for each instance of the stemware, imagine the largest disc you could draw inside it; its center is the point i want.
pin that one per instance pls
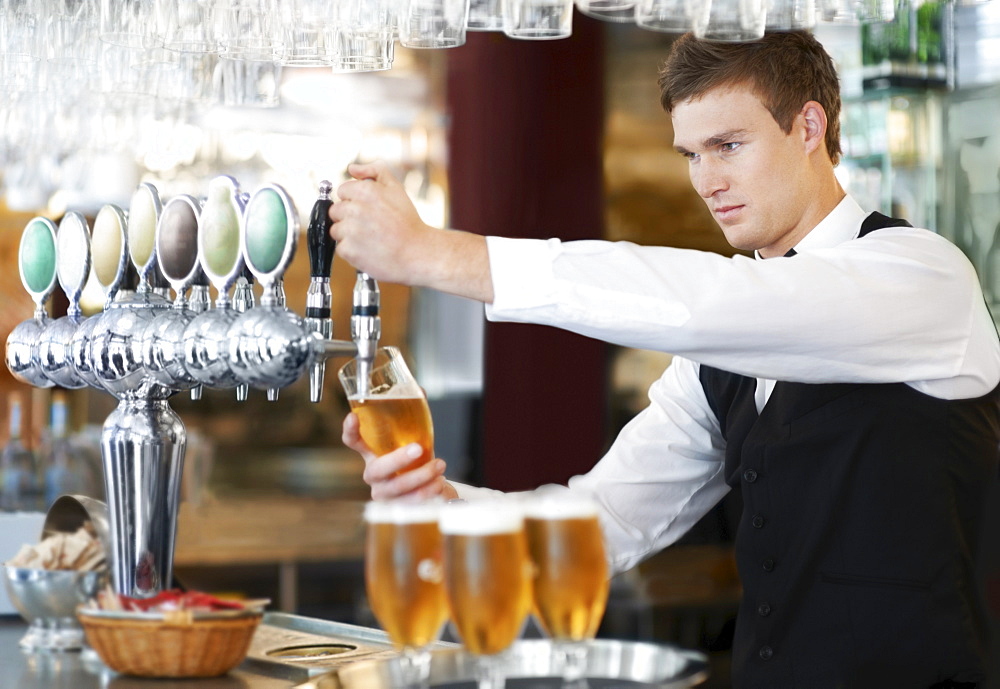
(487, 579)
(394, 411)
(403, 579)
(570, 574)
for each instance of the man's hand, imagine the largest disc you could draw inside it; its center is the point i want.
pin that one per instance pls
(378, 230)
(423, 482)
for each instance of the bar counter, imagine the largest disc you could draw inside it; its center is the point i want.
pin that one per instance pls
(20, 669)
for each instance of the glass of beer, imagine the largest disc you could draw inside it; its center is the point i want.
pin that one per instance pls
(404, 579)
(487, 578)
(570, 574)
(394, 411)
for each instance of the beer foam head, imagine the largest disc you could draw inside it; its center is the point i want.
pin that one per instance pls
(559, 505)
(400, 391)
(402, 511)
(481, 517)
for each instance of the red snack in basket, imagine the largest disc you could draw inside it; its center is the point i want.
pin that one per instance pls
(175, 599)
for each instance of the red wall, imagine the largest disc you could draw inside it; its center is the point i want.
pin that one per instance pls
(525, 146)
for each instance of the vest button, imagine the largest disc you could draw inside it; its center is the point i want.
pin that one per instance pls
(767, 564)
(749, 475)
(757, 521)
(764, 609)
(766, 652)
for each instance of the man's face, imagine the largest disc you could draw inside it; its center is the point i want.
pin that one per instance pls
(753, 177)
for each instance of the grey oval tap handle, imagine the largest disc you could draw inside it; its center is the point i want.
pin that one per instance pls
(73, 258)
(271, 231)
(36, 259)
(177, 243)
(143, 216)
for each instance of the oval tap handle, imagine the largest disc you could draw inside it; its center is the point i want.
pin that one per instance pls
(109, 244)
(143, 216)
(73, 257)
(220, 232)
(36, 260)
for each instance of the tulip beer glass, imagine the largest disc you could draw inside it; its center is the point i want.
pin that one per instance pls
(403, 579)
(394, 413)
(570, 574)
(487, 578)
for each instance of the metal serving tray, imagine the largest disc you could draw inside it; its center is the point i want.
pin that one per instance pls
(296, 648)
(534, 664)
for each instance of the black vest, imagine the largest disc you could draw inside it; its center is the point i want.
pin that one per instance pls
(862, 507)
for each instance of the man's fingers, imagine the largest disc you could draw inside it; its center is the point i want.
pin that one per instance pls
(351, 436)
(424, 481)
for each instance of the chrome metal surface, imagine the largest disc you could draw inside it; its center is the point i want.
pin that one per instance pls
(69, 512)
(143, 348)
(47, 599)
(610, 664)
(142, 447)
(366, 326)
(279, 632)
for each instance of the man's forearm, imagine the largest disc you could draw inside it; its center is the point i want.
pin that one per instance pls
(455, 262)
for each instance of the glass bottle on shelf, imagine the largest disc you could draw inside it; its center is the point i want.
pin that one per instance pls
(19, 489)
(68, 470)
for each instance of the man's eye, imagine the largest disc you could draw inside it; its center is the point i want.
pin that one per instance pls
(730, 146)
(690, 156)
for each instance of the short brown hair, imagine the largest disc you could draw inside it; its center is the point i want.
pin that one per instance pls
(784, 69)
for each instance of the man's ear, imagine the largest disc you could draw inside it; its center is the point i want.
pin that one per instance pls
(814, 125)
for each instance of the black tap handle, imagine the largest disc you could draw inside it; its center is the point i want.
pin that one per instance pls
(321, 244)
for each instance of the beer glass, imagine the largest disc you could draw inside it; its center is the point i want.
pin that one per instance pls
(487, 579)
(395, 411)
(570, 574)
(403, 578)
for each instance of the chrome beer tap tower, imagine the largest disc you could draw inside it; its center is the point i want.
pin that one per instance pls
(143, 348)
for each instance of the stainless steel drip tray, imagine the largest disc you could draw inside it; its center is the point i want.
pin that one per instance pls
(297, 648)
(534, 664)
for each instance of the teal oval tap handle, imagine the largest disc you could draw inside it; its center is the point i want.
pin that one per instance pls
(271, 229)
(36, 259)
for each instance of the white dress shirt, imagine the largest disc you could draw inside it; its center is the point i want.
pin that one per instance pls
(899, 305)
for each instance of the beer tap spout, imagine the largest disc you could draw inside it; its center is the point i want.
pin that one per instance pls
(366, 327)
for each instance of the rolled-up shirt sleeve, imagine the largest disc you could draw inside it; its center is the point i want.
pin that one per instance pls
(899, 305)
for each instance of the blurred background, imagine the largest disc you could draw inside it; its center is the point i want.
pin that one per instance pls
(499, 136)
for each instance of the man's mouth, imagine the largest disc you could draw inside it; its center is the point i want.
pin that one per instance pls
(726, 212)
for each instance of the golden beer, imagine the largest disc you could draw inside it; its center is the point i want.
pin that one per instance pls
(390, 422)
(403, 576)
(487, 577)
(571, 574)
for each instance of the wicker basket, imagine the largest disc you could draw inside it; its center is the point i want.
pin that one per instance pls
(136, 644)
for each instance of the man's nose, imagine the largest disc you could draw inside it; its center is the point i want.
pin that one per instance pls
(708, 178)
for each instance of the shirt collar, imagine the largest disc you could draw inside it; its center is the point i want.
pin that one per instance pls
(841, 224)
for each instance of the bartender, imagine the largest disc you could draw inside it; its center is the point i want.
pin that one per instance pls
(844, 380)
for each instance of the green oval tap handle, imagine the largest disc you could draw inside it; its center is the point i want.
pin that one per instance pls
(219, 232)
(36, 259)
(271, 232)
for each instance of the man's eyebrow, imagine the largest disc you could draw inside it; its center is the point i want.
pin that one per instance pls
(717, 139)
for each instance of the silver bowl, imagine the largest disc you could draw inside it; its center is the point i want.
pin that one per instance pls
(47, 600)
